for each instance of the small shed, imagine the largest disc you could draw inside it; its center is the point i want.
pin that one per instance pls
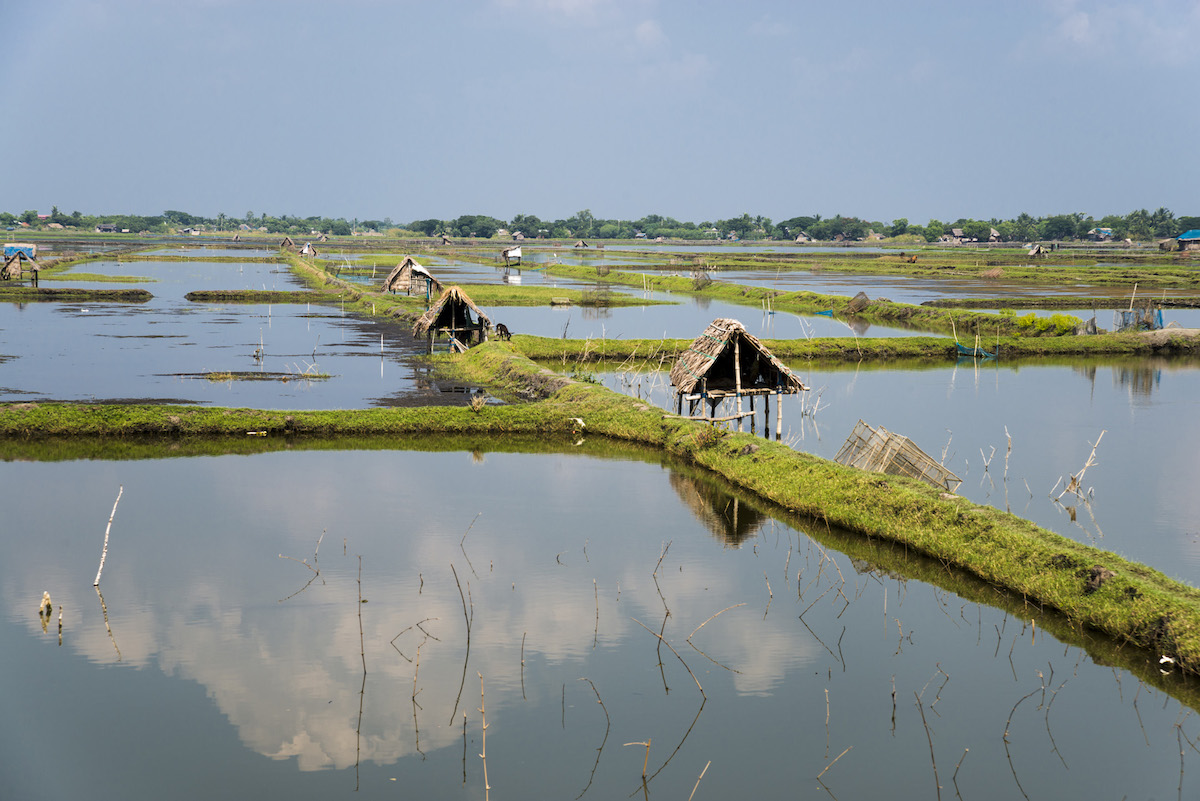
(14, 265)
(308, 249)
(1189, 240)
(30, 250)
(287, 244)
(581, 244)
(451, 315)
(410, 278)
(727, 362)
(511, 255)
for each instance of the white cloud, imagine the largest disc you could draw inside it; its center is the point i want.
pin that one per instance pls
(649, 34)
(1156, 32)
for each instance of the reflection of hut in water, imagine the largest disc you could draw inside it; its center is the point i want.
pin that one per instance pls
(451, 316)
(726, 362)
(410, 278)
(1141, 379)
(731, 520)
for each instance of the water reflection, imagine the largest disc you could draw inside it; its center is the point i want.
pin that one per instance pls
(236, 629)
(722, 513)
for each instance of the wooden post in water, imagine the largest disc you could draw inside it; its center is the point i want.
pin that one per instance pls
(737, 378)
(766, 416)
(778, 414)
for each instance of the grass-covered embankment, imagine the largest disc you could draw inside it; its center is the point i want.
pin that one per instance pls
(1093, 589)
(34, 294)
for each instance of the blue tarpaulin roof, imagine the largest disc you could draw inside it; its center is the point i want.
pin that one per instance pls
(1192, 234)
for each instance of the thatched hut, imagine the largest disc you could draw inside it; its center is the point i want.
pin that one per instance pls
(15, 263)
(511, 255)
(410, 278)
(451, 315)
(727, 362)
(287, 244)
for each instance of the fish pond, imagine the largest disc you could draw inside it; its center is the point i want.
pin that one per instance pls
(308, 623)
(311, 619)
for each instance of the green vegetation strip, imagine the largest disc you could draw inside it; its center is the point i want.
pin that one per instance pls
(879, 351)
(1131, 603)
(27, 294)
(878, 310)
(256, 296)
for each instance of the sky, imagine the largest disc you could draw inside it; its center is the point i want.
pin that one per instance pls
(697, 110)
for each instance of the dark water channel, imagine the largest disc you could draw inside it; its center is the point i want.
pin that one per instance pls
(306, 624)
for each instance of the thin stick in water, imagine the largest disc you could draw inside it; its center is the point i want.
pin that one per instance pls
(104, 553)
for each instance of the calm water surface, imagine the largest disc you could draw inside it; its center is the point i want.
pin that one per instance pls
(217, 642)
(308, 624)
(162, 350)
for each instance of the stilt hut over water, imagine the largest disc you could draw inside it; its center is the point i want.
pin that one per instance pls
(19, 262)
(727, 362)
(410, 278)
(451, 315)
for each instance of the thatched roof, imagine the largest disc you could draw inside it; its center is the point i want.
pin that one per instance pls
(452, 310)
(12, 265)
(287, 243)
(400, 279)
(711, 357)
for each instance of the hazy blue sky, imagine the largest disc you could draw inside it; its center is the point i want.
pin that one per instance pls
(698, 110)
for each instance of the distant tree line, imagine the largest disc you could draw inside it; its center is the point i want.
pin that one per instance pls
(1139, 225)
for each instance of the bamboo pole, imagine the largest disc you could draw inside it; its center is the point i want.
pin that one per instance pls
(778, 415)
(766, 416)
(737, 377)
(104, 553)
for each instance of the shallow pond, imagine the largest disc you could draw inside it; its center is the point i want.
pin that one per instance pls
(306, 624)
(680, 316)
(163, 350)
